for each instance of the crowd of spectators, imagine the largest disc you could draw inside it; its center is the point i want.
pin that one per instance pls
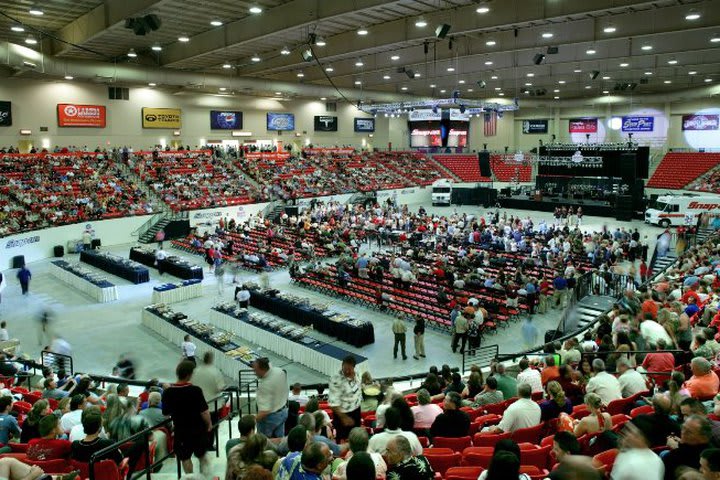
(707, 182)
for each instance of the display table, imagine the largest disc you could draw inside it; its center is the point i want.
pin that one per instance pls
(174, 332)
(177, 292)
(85, 281)
(117, 266)
(305, 350)
(354, 332)
(175, 266)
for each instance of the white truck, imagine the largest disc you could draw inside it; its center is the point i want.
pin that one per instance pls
(442, 191)
(676, 210)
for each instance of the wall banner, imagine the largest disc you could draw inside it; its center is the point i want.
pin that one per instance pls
(161, 117)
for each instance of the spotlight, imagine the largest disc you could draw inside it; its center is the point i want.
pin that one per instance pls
(255, 9)
(491, 43)
(35, 10)
(307, 55)
(156, 48)
(646, 48)
(715, 38)
(691, 15)
(256, 58)
(30, 40)
(421, 22)
(300, 74)
(69, 77)
(547, 35)
(285, 51)
(594, 74)
(183, 38)
(215, 23)
(610, 29)
(17, 28)
(538, 58)
(320, 42)
(131, 53)
(442, 30)
(591, 51)
(362, 31)
(359, 63)
(329, 68)
(227, 66)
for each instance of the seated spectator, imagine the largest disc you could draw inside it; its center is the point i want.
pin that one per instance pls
(425, 412)
(597, 421)
(48, 446)
(710, 464)
(358, 444)
(603, 384)
(8, 424)
(505, 383)
(556, 402)
(404, 463)
(73, 417)
(31, 425)
(253, 452)
(318, 434)
(362, 467)
(246, 426)
(564, 444)
(473, 386)
(572, 388)
(153, 413)
(504, 465)
(696, 436)
(701, 348)
(295, 442)
(456, 385)
(529, 376)
(658, 361)
(663, 425)
(379, 441)
(51, 390)
(296, 395)
(550, 372)
(523, 413)
(704, 383)
(490, 394)
(453, 422)
(83, 450)
(631, 381)
(636, 460)
(693, 406)
(308, 465)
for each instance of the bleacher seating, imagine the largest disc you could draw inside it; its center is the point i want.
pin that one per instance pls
(466, 167)
(707, 182)
(510, 171)
(678, 169)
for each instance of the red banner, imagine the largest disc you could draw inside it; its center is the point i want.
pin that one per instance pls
(327, 151)
(267, 156)
(583, 125)
(72, 115)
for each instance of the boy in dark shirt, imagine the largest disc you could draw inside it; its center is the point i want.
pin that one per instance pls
(82, 450)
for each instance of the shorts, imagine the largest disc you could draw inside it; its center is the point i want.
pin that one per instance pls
(186, 447)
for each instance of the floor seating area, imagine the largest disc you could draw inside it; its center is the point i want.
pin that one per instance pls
(466, 167)
(510, 171)
(47, 189)
(678, 169)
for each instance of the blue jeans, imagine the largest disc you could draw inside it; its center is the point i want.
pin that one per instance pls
(273, 425)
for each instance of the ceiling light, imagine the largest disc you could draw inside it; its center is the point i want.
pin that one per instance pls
(577, 70)
(30, 40)
(320, 42)
(17, 28)
(470, 90)
(222, 89)
(358, 82)
(556, 91)
(417, 75)
(359, 63)
(443, 91)
(692, 72)
(606, 77)
(667, 81)
(215, 23)
(648, 73)
(672, 62)
(691, 15)
(285, 51)
(547, 35)
(152, 84)
(561, 82)
(329, 68)
(501, 94)
(395, 57)
(498, 89)
(386, 77)
(461, 81)
(531, 74)
(708, 80)
(482, 9)
(300, 74)
(646, 48)
(450, 69)
(227, 65)
(256, 58)
(610, 29)
(421, 22)
(491, 43)
(278, 93)
(255, 9)
(715, 38)
(131, 53)
(69, 77)
(432, 85)
(591, 51)
(606, 92)
(624, 64)
(362, 31)
(37, 11)
(488, 62)
(588, 87)
(528, 84)
(494, 77)
(404, 89)
(183, 38)
(156, 48)
(556, 98)
(323, 98)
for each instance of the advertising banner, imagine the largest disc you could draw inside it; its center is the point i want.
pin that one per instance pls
(161, 117)
(267, 156)
(700, 122)
(364, 124)
(223, 120)
(583, 125)
(535, 126)
(457, 115)
(638, 124)
(423, 115)
(326, 123)
(280, 121)
(328, 151)
(5, 114)
(72, 115)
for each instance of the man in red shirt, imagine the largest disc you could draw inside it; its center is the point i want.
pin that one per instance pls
(48, 447)
(544, 291)
(649, 306)
(659, 362)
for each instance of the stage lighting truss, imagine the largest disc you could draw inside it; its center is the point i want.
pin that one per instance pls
(471, 107)
(576, 160)
(612, 147)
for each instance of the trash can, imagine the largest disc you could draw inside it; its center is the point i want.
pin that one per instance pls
(95, 243)
(59, 251)
(18, 261)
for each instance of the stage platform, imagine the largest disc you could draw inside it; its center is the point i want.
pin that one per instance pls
(549, 204)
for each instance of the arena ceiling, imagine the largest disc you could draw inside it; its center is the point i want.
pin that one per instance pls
(639, 46)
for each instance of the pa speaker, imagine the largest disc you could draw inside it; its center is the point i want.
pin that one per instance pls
(627, 170)
(307, 55)
(484, 161)
(442, 30)
(538, 58)
(152, 21)
(410, 73)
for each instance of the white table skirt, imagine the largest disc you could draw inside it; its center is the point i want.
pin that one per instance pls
(102, 295)
(279, 345)
(227, 365)
(178, 294)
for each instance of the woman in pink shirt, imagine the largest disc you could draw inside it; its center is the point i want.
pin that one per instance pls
(425, 412)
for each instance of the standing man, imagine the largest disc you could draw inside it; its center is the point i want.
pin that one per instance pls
(184, 402)
(86, 240)
(344, 397)
(419, 331)
(160, 256)
(188, 349)
(24, 277)
(559, 295)
(400, 331)
(212, 383)
(160, 238)
(462, 323)
(271, 397)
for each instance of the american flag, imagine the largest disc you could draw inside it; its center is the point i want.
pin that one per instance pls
(490, 124)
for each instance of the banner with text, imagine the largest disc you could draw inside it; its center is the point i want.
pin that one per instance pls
(326, 123)
(5, 114)
(700, 122)
(328, 151)
(161, 117)
(280, 121)
(267, 156)
(583, 125)
(72, 115)
(638, 124)
(222, 120)
(364, 125)
(535, 126)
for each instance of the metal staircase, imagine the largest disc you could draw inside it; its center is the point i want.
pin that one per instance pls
(147, 231)
(129, 174)
(273, 211)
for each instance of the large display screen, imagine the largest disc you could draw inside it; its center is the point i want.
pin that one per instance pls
(326, 123)
(280, 121)
(364, 124)
(438, 129)
(225, 120)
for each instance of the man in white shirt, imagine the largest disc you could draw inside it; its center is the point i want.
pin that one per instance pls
(298, 396)
(426, 411)
(631, 381)
(188, 349)
(242, 295)
(379, 441)
(523, 413)
(211, 382)
(652, 331)
(160, 256)
(530, 376)
(636, 461)
(603, 384)
(74, 416)
(4, 335)
(271, 398)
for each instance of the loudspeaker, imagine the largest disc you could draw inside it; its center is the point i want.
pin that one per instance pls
(18, 261)
(627, 168)
(594, 74)
(538, 58)
(642, 162)
(442, 30)
(152, 21)
(484, 161)
(410, 73)
(307, 55)
(59, 251)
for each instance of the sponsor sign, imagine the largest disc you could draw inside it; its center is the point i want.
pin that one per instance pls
(638, 124)
(21, 242)
(267, 156)
(280, 121)
(5, 114)
(535, 126)
(703, 206)
(225, 120)
(326, 123)
(455, 115)
(72, 115)
(328, 151)
(700, 122)
(583, 125)
(364, 124)
(161, 117)
(424, 115)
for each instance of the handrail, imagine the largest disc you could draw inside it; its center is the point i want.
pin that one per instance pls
(51, 359)
(147, 432)
(156, 217)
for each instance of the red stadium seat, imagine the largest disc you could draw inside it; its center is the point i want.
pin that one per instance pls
(644, 410)
(455, 444)
(529, 435)
(489, 439)
(463, 473)
(441, 462)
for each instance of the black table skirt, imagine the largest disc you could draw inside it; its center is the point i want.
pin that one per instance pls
(356, 336)
(179, 271)
(135, 275)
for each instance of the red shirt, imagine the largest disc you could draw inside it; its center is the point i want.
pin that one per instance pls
(48, 449)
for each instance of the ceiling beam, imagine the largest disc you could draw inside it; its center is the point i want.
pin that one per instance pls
(521, 14)
(291, 15)
(96, 21)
